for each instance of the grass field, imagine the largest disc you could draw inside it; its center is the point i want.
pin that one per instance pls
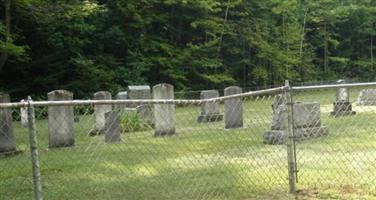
(203, 161)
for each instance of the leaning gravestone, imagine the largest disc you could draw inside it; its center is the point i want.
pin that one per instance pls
(233, 108)
(99, 112)
(306, 123)
(7, 140)
(23, 113)
(164, 114)
(342, 105)
(112, 127)
(141, 92)
(209, 110)
(367, 97)
(60, 120)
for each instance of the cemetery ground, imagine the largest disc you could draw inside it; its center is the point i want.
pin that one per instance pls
(202, 159)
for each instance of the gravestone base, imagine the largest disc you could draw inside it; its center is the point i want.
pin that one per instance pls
(10, 153)
(209, 118)
(234, 127)
(275, 137)
(164, 133)
(342, 109)
(96, 131)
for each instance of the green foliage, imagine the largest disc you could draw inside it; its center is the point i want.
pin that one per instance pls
(131, 122)
(92, 45)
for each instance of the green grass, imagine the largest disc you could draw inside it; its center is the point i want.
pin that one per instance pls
(202, 161)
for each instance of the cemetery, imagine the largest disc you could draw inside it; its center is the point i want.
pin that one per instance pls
(181, 100)
(144, 133)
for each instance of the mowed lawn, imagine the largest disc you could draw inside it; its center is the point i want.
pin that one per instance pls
(203, 161)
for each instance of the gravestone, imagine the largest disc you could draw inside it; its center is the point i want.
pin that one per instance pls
(164, 114)
(121, 96)
(209, 110)
(99, 112)
(138, 92)
(278, 100)
(306, 123)
(233, 108)
(7, 140)
(342, 105)
(23, 114)
(367, 97)
(112, 127)
(60, 120)
(141, 92)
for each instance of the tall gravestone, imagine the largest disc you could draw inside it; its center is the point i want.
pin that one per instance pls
(60, 120)
(342, 105)
(23, 114)
(164, 114)
(7, 139)
(112, 127)
(233, 108)
(121, 96)
(144, 110)
(209, 110)
(99, 112)
(306, 122)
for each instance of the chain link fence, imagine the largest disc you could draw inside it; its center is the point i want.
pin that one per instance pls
(269, 144)
(341, 163)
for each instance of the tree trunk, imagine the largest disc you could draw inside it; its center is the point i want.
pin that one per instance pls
(372, 51)
(4, 55)
(223, 32)
(325, 48)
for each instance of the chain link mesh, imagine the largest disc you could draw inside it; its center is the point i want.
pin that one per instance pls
(199, 160)
(341, 164)
(232, 148)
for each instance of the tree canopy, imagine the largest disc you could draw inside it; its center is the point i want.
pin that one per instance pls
(92, 45)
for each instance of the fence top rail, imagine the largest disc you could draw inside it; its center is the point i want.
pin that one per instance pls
(148, 101)
(332, 86)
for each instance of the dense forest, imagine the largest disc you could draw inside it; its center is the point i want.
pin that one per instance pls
(92, 45)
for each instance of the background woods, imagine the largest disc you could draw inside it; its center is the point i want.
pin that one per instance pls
(86, 46)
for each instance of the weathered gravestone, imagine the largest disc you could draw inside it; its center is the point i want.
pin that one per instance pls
(164, 114)
(23, 114)
(138, 92)
(145, 110)
(306, 122)
(233, 108)
(60, 120)
(99, 112)
(209, 110)
(7, 140)
(367, 97)
(121, 96)
(342, 105)
(112, 127)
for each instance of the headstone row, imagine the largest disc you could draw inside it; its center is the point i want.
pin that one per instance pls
(210, 111)
(107, 120)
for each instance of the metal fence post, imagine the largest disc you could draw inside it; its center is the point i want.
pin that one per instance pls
(34, 151)
(290, 139)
